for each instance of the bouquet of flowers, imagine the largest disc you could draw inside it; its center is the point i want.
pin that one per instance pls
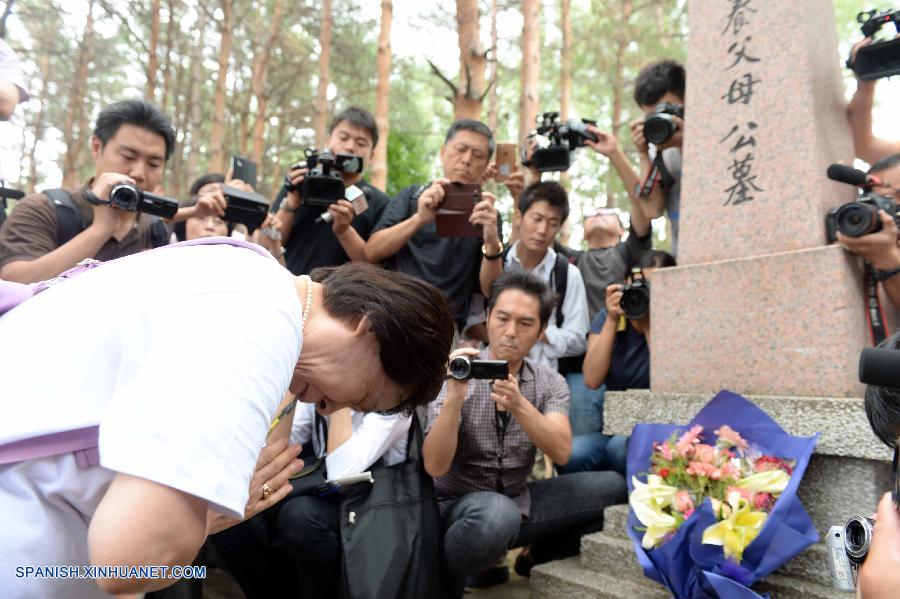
(717, 509)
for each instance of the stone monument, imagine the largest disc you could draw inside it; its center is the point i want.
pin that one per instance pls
(759, 304)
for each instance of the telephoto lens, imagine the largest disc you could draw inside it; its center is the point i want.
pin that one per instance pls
(858, 538)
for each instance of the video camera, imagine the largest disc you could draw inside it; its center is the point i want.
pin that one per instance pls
(464, 368)
(125, 196)
(249, 209)
(882, 57)
(323, 185)
(556, 141)
(660, 126)
(860, 217)
(635, 300)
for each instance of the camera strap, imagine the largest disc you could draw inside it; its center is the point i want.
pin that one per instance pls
(875, 315)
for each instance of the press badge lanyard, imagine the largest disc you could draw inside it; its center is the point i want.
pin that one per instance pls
(501, 423)
(874, 312)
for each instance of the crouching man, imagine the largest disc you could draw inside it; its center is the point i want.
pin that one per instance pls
(480, 447)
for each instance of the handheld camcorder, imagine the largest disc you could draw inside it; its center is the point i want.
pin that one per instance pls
(848, 545)
(860, 217)
(125, 196)
(246, 208)
(556, 141)
(635, 300)
(660, 126)
(882, 57)
(464, 368)
(323, 185)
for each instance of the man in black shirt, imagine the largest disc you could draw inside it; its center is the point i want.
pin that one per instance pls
(310, 243)
(406, 236)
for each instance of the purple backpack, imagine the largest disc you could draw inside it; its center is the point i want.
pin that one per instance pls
(81, 442)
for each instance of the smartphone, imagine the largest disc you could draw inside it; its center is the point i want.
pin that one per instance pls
(243, 169)
(452, 216)
(506, 161)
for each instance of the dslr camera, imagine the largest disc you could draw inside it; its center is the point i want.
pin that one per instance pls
(323, 184)
(660, 126)
(556, 141)
(464, 368)
(125, 196)
(635, 300)
(855, 219)
(882, 58)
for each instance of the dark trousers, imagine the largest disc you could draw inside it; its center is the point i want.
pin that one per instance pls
(480, 527)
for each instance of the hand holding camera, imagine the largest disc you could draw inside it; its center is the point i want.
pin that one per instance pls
(606, 143)
(872, 59)
(556, 140)
(485, 216)
(880, 248)
(429, 200)
(614, 302)
(293, 182)
(665, 127)
(105, 215)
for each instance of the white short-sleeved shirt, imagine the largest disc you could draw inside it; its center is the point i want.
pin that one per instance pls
(180, 355)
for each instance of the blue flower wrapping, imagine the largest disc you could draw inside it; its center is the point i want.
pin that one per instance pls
(683, 564)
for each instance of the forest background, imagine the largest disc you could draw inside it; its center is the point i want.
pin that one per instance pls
(261, 78)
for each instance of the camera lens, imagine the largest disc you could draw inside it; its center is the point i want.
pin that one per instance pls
(124, 197)
(858, 538)
(635, 302)
(857, 219)
(659, 128)
(460, 368)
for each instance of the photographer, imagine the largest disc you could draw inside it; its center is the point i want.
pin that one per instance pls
(45, 236)
(480, 447)
(406, 236)
(124, 449)
(658, 84)
(310, 243)
(866, 146)
(880, 249)
(618, 356)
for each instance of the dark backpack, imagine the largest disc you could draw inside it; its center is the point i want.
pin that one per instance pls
(69, 221)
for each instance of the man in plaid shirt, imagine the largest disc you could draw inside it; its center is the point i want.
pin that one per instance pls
(480, 446)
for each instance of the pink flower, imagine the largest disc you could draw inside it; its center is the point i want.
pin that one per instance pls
(683, 502)
(687, 441)
(731, 470)
(705, 453)
(730, 437)
(767, 462)
(666, 450)
(688, 513)
(702, 469)
(763, 501)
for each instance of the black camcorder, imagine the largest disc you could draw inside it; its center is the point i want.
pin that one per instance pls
(556, 141)
(635, 300)
(323, 185)
(249, 209)
(860, 217)
(464, 368)
(882, 57)
(660, 126)
(125, 196)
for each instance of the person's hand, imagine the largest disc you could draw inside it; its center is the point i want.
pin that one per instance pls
(879, 248)
(866, 41)
(105, 217)
(506, 394)
(531, 145)
(490, 173)
(485, 216)
(458, 390)
(677, 138)
(606, 143)
(277, 462)
(613, 302)
(342, 215)
(637, 135)
(296, 175)
(515, 183)
(879, 576)
(429, 200)
(211, 202)
(268, 235)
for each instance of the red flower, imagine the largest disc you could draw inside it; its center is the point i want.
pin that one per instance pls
(767, 462)
(664, 472)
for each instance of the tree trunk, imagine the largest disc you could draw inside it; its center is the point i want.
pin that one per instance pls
(472, 61)
(320, 120)
(169, 63)
(622, 40)
(565, 94)
(74, 115)
(38, 132)
(179, 177)
(152, 58)
(217, 133)
(494, 97)
(258, 84)
(531, 64)
(379, 170)
(193, 104)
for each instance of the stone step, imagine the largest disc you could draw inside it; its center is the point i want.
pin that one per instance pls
(567, 578)
(809, 565)
(601, 552)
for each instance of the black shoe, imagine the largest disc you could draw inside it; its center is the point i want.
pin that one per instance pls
(524, 564)
(488, 578)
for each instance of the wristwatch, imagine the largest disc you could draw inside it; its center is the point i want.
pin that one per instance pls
(484, 251)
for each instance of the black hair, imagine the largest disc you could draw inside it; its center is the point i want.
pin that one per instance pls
(658, 78)
(656, 259)
(526, 283)
(410, 319)
(885, 163)
(134, 112)
(358, 117)
(473, 126)
(205, 179)
(547, 191)
(883, 403)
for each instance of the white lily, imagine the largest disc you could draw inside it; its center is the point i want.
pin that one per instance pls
(770, 481)
(648, 500)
